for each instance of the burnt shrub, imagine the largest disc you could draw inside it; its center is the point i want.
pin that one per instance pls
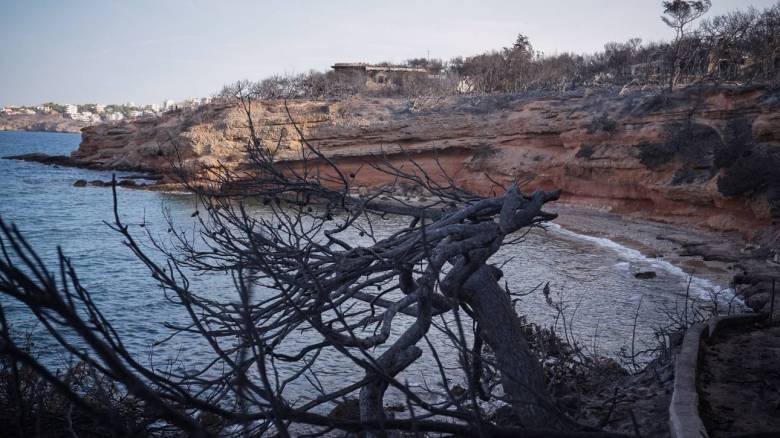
(585, 151)
(693, 143)
(655, 155)
(696, 144)
(753, 172)
(738, 140)
(602, 123)
(686, 175)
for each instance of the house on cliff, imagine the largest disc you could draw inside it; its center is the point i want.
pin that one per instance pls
(377, 76)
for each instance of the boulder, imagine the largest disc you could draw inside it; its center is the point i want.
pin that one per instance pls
(346, 410)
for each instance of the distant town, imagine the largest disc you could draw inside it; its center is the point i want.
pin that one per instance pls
(96, 112)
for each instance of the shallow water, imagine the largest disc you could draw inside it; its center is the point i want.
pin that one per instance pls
(594, 277)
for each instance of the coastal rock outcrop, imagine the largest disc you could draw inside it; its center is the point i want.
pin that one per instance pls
(705, 155)
(39, 122)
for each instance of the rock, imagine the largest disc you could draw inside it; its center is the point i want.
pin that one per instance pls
(458, 390)
(54, 122)
(151, 177)
(645, 275)
(99, 183)
(43, 159)
(346, 410)
(504, 416)
(80, 183)
(606, 365)
(760, 300)
(750, 290)
(397, 407)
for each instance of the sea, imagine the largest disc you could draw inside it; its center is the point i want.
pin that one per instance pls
(601, 306)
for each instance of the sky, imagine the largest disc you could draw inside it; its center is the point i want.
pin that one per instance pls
(147, 51)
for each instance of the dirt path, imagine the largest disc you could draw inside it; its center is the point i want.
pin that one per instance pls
(739, 381)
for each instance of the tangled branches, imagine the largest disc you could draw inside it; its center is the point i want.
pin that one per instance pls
(315, 285)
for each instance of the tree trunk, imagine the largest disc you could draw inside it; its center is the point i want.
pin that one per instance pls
(522, 376)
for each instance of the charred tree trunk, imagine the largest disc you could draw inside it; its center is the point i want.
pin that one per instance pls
(522, 376)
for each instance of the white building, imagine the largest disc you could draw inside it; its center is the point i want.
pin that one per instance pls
(85, 116)
(155, 107)
(168, 104)
(71, 110)
(190, 102)
(99, 108)
(113, 117)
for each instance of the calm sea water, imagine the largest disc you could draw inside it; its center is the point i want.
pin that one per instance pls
(594, 277)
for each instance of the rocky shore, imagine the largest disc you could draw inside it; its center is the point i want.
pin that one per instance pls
(723, 257)
(40, 122)
(689, 176)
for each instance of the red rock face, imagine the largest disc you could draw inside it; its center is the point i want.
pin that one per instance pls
(710, 156)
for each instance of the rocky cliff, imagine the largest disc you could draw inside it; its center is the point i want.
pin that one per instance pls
(705, 155)
(39, 122)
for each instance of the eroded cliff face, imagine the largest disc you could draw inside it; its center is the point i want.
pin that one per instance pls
(709, 156)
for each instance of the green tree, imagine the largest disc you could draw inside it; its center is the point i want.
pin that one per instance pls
(678, 14)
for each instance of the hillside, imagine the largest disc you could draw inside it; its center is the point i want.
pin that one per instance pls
(702, 155)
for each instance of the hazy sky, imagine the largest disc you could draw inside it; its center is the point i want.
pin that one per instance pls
(112, 51)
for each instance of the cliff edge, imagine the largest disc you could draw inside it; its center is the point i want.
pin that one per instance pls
(705, 155)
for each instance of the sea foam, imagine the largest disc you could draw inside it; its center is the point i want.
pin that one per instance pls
(699, 287)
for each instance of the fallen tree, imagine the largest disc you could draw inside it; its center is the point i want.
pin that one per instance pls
(312, 281)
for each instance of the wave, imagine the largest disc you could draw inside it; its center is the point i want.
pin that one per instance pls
(699, 287)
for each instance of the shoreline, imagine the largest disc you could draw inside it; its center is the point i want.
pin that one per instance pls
(652, 238)
(56, 131)
(725, 259)
(721, 258)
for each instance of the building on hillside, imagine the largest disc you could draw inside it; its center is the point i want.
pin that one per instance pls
(85, 116)
(99, 108)
(70, 110)
(190, 102)
(168, 105)
(376, 76)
